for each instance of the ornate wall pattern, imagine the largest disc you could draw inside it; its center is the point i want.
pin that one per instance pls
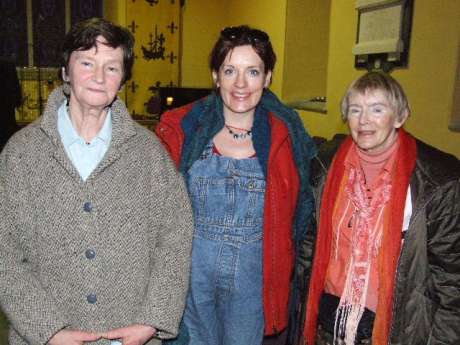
(155, 25)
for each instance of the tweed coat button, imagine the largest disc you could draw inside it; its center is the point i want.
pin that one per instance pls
(91, 298)
(90, 254)
(87, 206)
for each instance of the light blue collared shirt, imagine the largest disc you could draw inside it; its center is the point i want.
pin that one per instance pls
(84, 156)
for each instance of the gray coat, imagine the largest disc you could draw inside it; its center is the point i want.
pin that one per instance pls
(108, 252)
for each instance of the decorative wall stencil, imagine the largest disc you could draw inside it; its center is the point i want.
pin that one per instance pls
(172, 57)
(156, 48)
(133, 26)
(172, 27)
(133, 86)
(156, 29)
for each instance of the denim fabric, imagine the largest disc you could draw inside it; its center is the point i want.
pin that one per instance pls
(224, 304)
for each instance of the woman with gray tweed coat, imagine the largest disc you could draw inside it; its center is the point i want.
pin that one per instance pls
(95, 237)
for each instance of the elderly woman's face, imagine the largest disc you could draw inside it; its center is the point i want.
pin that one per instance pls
(241, 80)
(372, 121)
(95, 75)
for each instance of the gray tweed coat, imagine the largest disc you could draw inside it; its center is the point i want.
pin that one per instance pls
(108, 252)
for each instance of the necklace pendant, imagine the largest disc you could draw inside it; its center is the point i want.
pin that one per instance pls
(238, 136)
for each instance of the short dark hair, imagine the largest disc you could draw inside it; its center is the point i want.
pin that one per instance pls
(376, 80)
(235, 36)
(83, 35)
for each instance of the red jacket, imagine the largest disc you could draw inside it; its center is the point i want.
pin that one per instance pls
(282, 187)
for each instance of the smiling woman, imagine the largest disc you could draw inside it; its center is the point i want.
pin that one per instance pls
(245, 157)
(95, 67)
(241, 80)
(373, 113)
(372, 121)
(108, 257)
(388, 230)
(95, 77)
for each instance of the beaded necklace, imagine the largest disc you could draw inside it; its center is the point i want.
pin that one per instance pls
(238, 136)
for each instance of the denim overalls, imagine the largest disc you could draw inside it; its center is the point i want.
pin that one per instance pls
(225, 301)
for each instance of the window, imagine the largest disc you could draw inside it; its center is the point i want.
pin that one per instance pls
(31, 31)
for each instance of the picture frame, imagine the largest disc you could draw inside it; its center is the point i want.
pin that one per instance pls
(383, 34)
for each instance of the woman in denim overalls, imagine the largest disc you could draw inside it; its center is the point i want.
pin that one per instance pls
(245, 158)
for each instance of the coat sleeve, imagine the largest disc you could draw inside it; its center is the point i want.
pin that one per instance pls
(171, 140)
(170, 257)
(170, 133)
(301, 281)
(304, 260)
(30, 310)
(443, 223)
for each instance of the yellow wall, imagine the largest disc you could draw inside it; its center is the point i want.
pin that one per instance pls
(115, 11)
(428, 81)
(202, 22)
(306, 49)
(204, 19)
(269, 16)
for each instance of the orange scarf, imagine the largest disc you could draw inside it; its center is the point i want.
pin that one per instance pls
(391, 241)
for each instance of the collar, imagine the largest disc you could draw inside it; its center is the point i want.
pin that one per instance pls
(355, 160)
(69, 134)
(384, 159)
(123, 126)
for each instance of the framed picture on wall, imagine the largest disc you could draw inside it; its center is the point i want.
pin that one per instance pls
(383, 33)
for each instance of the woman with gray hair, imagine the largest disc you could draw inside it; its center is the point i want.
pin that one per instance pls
(386, 267)
(96, 227)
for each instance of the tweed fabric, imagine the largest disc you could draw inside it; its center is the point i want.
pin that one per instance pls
(139, 225)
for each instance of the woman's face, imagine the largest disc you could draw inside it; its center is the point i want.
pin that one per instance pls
(372, 121)
(95, 75)
(241, 80)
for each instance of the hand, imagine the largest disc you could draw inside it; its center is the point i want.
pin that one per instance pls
(131, 335)
(72, 337)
